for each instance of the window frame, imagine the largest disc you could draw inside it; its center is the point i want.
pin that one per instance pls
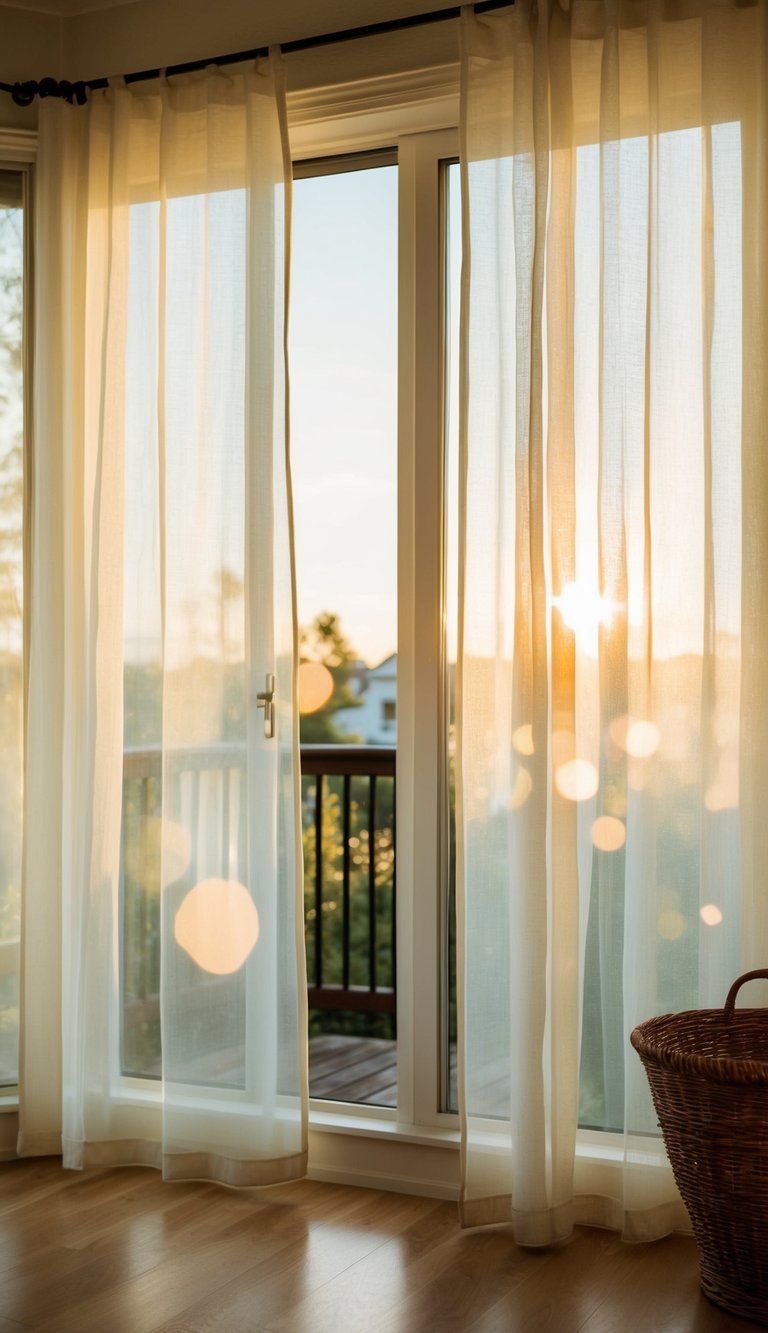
(422, 758)
(422, 782)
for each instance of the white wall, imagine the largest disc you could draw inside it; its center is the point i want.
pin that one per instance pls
(151, 33)
(31, 46)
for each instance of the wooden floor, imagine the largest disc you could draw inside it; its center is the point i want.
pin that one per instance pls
(120, 1252)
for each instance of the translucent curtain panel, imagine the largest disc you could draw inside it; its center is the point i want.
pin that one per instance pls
(12, 657)
(614, 417)
(183, 994)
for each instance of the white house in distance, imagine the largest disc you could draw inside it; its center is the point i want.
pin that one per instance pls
(376, 717)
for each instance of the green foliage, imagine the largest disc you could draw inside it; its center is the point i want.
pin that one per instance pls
(324, 641)
(221, 684)
(141, 1049)
(331, 904)
(141, 905)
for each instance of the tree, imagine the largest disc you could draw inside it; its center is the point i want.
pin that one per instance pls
(324, 641)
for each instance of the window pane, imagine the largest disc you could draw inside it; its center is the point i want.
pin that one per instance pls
(11, 604)
(343, 358)
(659, 838)
(451, 499)
(344, 441)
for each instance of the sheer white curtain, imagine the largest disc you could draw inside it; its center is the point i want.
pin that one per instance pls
(613, 726)
(163, 1016)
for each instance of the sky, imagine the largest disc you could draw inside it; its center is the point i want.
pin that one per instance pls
(343, 360)
(343, 398)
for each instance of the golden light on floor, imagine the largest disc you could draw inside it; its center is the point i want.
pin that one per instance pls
(608, 833)
(218, 925)
(711, 915)
(522, 739)
(315, 686)
(583, 609)
(577, 780)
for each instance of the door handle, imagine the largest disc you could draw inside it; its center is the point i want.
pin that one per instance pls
(265, 699)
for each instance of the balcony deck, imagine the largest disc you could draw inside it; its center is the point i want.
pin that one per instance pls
(353, 1069)
(356, 1069)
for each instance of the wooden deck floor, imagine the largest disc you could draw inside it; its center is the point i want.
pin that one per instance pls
(357, 1069)
(353, 1069)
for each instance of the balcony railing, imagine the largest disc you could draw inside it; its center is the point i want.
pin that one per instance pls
(323, 763)
(348, 803)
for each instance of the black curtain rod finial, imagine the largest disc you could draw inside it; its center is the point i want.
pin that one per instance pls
(24, 94)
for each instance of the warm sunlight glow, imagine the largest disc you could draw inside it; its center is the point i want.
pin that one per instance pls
(638, 738)
(670, 924)
(577, 780)
(521, 789)
(315, 686)
(723, 793)
(583, 609)
(642, 739)
(617, 730)
(608, 833)
(563, 747)
(711, 915)
(218, 925)
(162, 848)
(522, 739)
(719, 797)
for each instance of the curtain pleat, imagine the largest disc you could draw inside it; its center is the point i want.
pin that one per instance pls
(166, 891)
(613, 520)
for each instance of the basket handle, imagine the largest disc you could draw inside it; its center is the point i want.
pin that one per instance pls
(730, 1002)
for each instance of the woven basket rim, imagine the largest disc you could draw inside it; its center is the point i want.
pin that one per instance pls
(654, 1041)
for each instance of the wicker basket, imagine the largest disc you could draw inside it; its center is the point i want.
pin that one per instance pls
(708, 1071)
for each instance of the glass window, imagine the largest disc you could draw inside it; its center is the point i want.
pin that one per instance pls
(11, 606)
(343, 357)
(452, 210)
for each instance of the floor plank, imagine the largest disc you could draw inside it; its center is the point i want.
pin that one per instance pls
(120, 1251)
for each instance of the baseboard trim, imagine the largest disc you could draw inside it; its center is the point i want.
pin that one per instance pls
(386, 1164)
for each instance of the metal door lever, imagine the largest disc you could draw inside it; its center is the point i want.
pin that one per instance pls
(265, 699)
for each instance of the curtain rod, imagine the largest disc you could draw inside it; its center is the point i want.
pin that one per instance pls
(24, 94)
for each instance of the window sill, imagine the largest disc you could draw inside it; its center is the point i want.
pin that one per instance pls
(379, 1127)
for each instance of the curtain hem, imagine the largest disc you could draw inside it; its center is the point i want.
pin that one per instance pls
(40, 1143)
(548, 1226)
(231, 1170)
(78, 1156)
(553, 1226)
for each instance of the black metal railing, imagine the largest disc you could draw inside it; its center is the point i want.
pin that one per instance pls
(348, 825)
(371, 992)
